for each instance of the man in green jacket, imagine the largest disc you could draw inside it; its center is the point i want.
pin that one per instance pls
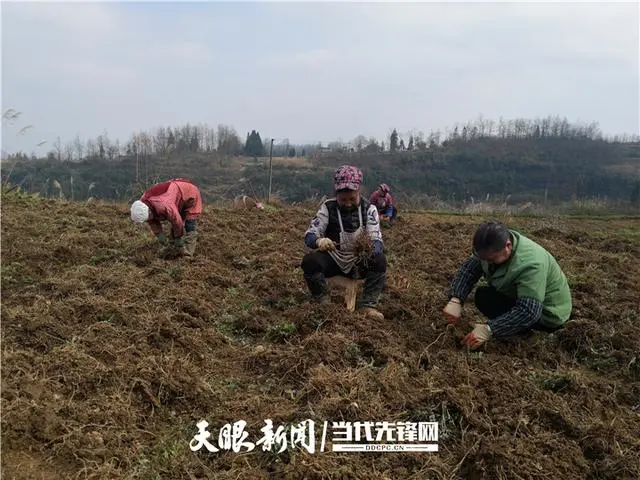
(526, 289)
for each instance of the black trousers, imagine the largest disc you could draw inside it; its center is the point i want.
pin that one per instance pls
(492, 304)
(318, 266)
(190, 225)
(394, 212)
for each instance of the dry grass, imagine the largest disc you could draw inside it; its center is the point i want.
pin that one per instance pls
(110, 355)
(301, 162)
(585, 207)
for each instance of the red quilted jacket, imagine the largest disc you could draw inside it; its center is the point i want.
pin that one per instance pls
(175, 200)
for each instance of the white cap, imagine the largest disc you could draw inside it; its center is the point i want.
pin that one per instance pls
(139, 212)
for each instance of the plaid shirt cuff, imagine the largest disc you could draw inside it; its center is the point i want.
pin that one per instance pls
(519, 319)
(466, 277)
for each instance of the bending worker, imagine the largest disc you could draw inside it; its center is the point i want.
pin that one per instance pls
(334, 232)
(526, 289)
(383, 201)
(177, 201)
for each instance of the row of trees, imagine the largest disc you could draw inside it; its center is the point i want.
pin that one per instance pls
(539, 128)
(224, 139)
(166, 141)
(538, 170)
(162, 142)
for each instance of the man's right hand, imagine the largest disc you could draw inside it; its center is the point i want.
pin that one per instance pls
(325, 244)
(453, 310)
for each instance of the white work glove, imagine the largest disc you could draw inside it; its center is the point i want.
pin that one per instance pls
(453, 310)
(325, 244)
(480, 334)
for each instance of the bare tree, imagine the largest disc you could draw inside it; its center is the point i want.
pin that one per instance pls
(69, 148)
(372, 146)
(210, 139)
(57, 145)
(490, 127)
(112, 152)
(359, 142)
(502, 128)
(228, 140)
(100, 150)
(92, 149)
(160, 141)
(79, 148)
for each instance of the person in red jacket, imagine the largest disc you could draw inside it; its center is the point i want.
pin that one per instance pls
(177, 201)
(383, 201)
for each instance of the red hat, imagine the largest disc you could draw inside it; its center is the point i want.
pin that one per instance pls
(348, 176)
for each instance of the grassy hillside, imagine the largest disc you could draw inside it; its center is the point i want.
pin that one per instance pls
(554, 170)
(111, 356)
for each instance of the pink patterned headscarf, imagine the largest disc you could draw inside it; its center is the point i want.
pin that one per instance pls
(348, 176)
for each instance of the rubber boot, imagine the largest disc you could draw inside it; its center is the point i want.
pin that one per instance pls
(178, 251)
(317, 285)
(373, 285)
(190, 240)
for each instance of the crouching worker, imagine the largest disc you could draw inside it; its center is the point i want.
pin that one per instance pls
(177, 201)
(383, 201)
(244, 202)
(335, 232)
(526, 289)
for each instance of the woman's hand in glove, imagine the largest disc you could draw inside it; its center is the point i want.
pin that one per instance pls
(325, 244)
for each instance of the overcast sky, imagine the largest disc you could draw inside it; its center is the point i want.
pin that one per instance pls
(313, 71)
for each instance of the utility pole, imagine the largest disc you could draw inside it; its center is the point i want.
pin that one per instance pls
(270, 169)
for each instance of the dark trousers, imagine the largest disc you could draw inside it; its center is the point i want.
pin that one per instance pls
(385, 211)
(190, 225)
(492, 304)
(318, 266)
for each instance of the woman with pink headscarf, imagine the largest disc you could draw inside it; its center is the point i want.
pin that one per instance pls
(383, 201)
(333, 233)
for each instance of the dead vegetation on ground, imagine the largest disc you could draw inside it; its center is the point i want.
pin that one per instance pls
(110, 356)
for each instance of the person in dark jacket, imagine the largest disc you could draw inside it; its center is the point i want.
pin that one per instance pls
(335, 231)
